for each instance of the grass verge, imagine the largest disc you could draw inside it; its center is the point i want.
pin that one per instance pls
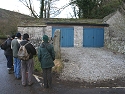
(57, 68)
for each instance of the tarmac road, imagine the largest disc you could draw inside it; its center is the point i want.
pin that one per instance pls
(8, 85)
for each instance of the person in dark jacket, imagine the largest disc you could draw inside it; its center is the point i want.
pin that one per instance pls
(28, 65)
(46, 56)
(9, 55)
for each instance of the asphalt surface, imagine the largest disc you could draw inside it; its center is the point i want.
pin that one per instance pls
(9, 85)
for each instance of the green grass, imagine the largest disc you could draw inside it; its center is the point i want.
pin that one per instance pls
(37, 66)
(57, 68)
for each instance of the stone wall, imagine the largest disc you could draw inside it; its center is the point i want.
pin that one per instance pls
(115, 33)
(78, 36)
(35, 33)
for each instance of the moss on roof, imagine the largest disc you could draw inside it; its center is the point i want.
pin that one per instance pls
(41, 22)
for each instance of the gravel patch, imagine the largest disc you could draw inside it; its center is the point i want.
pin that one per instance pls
(91, 64)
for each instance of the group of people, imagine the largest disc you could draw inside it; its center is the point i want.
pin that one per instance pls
(23, 69)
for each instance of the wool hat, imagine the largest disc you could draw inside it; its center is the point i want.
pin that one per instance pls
(25, 36)
(45, 38)
(13, 36)
(18, 35)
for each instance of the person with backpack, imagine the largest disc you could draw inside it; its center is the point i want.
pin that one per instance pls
(27, 65)
(6, 46)
(17, 62)
(46, 56)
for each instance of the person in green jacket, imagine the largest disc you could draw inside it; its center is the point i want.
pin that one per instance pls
(46, 56)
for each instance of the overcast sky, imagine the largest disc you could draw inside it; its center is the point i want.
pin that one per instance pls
(15, 5)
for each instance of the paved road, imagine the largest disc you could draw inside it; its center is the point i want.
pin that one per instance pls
(8, 85)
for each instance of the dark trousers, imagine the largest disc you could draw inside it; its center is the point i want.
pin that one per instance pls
(47, 77)
(9, 61)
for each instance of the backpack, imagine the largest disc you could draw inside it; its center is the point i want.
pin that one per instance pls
(4, 45)
(22, 53)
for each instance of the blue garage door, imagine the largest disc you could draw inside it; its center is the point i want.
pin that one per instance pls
(67, 36)
(93, 37)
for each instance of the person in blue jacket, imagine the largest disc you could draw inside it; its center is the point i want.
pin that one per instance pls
(46, 56)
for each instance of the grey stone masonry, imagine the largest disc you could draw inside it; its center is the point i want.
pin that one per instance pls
(78, 36)
(115, 33)
(36, 33)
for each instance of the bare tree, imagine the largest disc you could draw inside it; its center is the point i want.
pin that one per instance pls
(55, 11)
(41, 8)
(29, 5)
(47, 8)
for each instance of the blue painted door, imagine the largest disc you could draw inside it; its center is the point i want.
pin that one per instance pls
(67, 36)
(93, 37)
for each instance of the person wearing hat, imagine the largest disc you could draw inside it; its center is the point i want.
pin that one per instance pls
(28, 65)
(17, 62)
(46, 56)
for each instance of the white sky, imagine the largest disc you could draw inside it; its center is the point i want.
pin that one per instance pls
(15, 5)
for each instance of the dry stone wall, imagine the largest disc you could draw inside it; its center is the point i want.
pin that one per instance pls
(115, 33)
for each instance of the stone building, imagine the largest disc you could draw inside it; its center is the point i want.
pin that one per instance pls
(108, 32)
(74, 32)
(115, 33)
